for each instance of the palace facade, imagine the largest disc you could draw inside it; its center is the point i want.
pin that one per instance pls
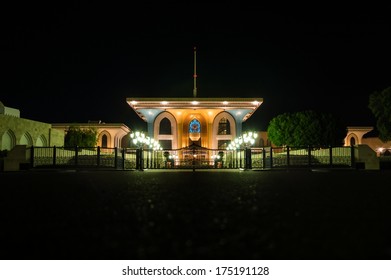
(206, 122)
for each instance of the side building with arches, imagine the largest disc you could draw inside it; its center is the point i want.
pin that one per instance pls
(15, 130)
(206, 122)
(109, 135)
(365, 135)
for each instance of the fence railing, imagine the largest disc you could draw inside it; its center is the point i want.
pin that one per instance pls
(247, 158)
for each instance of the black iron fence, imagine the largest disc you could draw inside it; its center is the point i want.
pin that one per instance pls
(195, 158)
(81, 156)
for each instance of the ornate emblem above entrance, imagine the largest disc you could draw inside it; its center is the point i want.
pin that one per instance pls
(194, 130)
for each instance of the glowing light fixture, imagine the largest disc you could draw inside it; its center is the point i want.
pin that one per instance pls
(246, 140)
(195, 102)
(140, 140)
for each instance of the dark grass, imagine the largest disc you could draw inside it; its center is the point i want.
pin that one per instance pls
(296, 214)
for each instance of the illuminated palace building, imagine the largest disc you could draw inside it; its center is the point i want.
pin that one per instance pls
(203, 122)
(207, 122)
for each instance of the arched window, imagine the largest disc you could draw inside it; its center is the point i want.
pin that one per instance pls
(224, 127)
(104, 141)
(165, 126)
(194, 126)
(352, 141)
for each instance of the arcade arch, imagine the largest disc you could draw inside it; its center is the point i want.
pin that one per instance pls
(41, 141)
(352, 139)
(8, 140)
(104, 139)
(26, 139)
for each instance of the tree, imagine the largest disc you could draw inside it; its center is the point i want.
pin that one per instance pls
(305, 128)
(86, 137)
(380, 105)
(280, 129)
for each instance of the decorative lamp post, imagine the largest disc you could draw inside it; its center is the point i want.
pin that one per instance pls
(140, 140)
(245, 141)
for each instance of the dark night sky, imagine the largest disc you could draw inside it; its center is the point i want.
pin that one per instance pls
(80, 63)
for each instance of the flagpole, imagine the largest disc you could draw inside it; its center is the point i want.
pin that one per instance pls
(195, 73)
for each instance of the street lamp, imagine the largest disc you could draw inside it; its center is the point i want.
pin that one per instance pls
(140, 140)
(246, 140)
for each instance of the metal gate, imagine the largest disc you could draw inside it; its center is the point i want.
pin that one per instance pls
(195, 157)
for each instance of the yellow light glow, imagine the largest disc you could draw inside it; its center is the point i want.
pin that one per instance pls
(195, 102)
(179, 113)
(225, 103)
(210, 113)
(164, 102)
(133, 102)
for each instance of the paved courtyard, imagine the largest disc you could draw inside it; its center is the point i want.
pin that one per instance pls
(295, 214)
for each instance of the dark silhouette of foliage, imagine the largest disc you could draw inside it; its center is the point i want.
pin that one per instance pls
(75, 136)
(306, 128)
(380, 105)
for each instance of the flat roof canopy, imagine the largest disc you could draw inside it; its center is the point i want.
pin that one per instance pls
(138, 104)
